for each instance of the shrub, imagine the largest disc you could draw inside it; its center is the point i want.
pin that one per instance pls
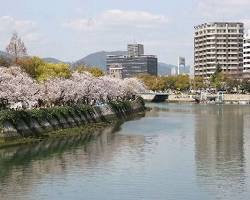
(15, 117)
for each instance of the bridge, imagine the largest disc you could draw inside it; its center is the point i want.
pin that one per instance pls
(154, 97)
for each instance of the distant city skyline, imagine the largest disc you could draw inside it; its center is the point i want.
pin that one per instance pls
(69, 30)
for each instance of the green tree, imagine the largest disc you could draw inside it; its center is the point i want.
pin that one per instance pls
(95, 71)
(5, 62)
(170, 82)
(182, 82)
(231, 84)
(153, 82)
(198, 83)
(158, 84)
(245, 85)
(31, 65)
(147, 80)
(51, 70)
(217, 79)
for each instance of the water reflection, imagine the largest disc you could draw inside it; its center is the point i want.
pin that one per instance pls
(219, 150)
(175, 151)
(22, 167)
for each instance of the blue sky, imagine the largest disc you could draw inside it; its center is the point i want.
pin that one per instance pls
(71, 29)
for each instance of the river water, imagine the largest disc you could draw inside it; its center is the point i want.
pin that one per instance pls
(175, 151)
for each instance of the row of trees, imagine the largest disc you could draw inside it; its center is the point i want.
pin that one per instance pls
(41, 70)
(34, 83)
(156, 83)
(16, 86)
(218, 81)
(222, 81)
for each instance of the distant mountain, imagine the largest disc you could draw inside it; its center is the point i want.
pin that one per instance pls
(98, 59)
(52, 60)
(165, 69)
(4, 54)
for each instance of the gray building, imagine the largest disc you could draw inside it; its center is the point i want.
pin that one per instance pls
(181, 65)
(135, 50)
(134, 64)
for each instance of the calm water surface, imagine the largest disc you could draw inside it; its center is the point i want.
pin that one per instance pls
(177, 151)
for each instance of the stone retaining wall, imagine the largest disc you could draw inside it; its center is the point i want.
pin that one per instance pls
(180, 98)
(227, 98)
(35, 128)
(236, 97)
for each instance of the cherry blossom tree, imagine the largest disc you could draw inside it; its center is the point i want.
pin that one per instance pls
(83, 86)
(16, 47)
(135, 85)
(17, 86)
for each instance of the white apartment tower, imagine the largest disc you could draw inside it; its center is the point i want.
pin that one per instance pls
(135, 50)
(218, 44)
(246, 54)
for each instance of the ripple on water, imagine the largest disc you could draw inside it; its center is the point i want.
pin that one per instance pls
(177, 151)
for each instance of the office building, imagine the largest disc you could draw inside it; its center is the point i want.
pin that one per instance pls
(127, 66)
(181, 65)
(116, 70)
(131, 66)
(135, 50)
(218, 44)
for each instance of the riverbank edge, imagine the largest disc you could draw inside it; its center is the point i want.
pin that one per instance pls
(228, 98)
(98, 117)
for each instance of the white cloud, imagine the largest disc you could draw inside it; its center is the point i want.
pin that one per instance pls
(222, 7)
(113, 19)
(27, 29)
(10, 24)
(113, 29)
(33, 37)
(246, 23)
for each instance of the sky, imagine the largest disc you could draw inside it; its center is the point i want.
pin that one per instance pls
(71, 29)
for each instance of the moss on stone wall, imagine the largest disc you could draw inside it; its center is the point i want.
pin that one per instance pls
(60, 133)
(37, 124)
(16, 117)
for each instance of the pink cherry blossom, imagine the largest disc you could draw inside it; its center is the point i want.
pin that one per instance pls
(17, 86)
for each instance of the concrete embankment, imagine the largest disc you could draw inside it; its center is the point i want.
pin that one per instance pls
(174, 98)
(227, 98)
(34, 123)
(237, 98)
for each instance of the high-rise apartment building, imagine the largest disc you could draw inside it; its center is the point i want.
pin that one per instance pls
(135, 50)
(218, 44)
(246, 54)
